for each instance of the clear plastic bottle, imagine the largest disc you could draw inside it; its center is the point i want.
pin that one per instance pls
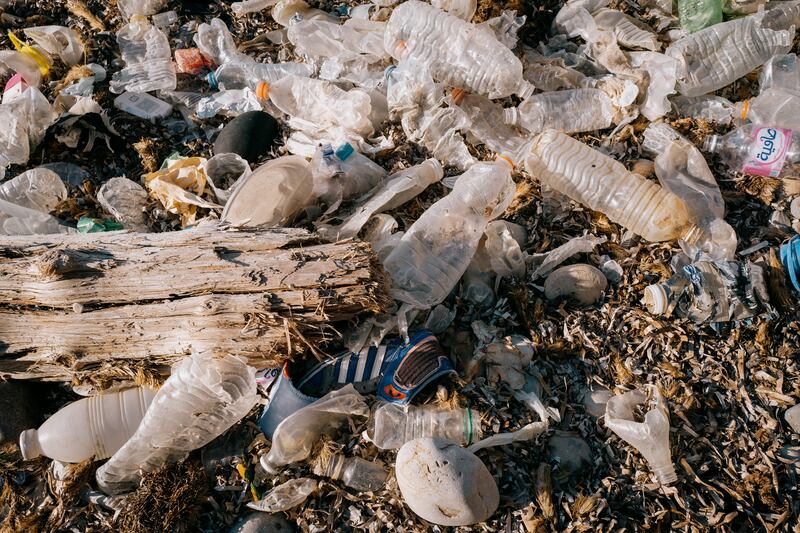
(781, 72)
(436, 250)
(393, 192)
(463, 9)
(773, 106)
(25, 121)
(570, 111)
(125, 200)
(284, 11)
(92, 427)
(781, 15)
(148, 60)
(395, 425)
(456, 52)
(721, 54)
(250, 6)
(145, 8)
(323, 103)
(629, 31)
(760, 150)
(347, 173)
(216, 43)
(603, 184)
(488, 126)
(39, 188)
(698, 14)
(651, 436)
(203, 397)
(240, 75)
(355, 472)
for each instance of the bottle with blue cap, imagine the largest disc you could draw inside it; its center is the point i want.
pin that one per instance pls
(256, 76)
(341, 173)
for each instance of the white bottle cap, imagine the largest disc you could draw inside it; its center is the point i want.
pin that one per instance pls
(655, 298)
(29, 444)
(525, 89)
(510, 115)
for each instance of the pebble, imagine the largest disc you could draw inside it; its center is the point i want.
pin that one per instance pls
(250, 135)
(444, 483)
(583, 283)
(262, 523)
(571, 454)
(792, 416)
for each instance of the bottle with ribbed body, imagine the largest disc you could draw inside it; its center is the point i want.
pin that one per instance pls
(762, 150)
(436, 250)
(717, 56)
(486, 124)
(603, 184)
(92, 427)
(456, 52)
(148, 60)
(570, 111)
(775, 107)
(240, 75)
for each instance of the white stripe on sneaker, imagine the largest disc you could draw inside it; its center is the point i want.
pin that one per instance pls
(343, 370)
(362, 363)
(376, 366)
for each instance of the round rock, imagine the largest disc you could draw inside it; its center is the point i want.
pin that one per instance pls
(571, 454)
(250, 135)
(262, 523)
(444, 483)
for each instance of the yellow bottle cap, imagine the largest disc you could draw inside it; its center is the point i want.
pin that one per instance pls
(42, 60)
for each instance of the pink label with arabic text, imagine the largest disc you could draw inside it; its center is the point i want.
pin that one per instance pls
(770, 146)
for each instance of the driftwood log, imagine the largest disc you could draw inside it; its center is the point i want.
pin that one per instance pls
(103, 303)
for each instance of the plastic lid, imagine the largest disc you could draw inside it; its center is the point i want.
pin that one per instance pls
(458, 95)
(388, 71)
(655, 298)
(262, 90)
(344, 151)
(510, 116)
(29, 444)
(710, 144)
(211, 78)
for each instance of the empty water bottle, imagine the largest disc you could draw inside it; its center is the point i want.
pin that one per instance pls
(698, 14)
(488, 126)
(774, 106)
(145, 8)
(710, 292)
(148, 60)
(251, 74)
(355, 472)
(719, 55)
(570, 111)
(585, 175)
(286, 11)
(781, 72)
(346, 173)
(760, 150)
(217, 44)
(92, 427)
(782, 15)
(436, 250)
(423, 33)
(394, 426)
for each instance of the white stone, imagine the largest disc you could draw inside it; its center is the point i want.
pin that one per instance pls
(444, 483)
(792, 416)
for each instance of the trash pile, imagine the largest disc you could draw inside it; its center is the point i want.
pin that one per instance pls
(279, 265)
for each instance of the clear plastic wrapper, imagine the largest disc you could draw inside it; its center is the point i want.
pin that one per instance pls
(126, 201)
(525, 433)
(148, 60)
(59, 41)
(286, 495)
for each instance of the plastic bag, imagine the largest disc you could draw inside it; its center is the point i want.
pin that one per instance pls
(180, 186)
(285, 496)
(65, 43)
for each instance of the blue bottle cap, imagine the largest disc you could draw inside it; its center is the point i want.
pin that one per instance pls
(211, 78)
(790, 257)
(388, 71)
(344, 151)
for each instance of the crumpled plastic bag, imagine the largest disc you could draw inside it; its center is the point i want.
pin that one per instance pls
(506, 360)
(180, 187)
(58, 41)
(574, 246)
(285, 496)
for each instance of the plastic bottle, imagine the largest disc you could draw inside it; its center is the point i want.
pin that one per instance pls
(774, 106)
(129, 8)
(347, 173)
(488, 126)
(217, 44)
(570, 111)
(393, 192)
(25, 121)
(782, 15)
(781, 72)
(717, 56)
(323, 103)
(240, 75)
(698, 14)
(710, 292)
(629, 32)
(286, 10)
(39, 188)
(22, 64)
(587, 176)
(92, 427)
(394, 425)
(760, 150)
(354, 472)
(651, 436)
(480, 63)
(250, 6)
(203, 397)
(436, 250)
(126, 201)
(148, 60)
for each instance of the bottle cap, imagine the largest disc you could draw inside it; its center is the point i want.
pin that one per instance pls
(525, 89)
(510, 116)
(745, 109)
(655, 298)
(388, 71)
(344, 151)
(710, 144)
(211, 78)
(458, 95)
(262, 90)
(29, 444)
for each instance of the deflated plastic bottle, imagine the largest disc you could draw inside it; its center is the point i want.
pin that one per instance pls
(760, 150)
(285, 10)
(710, 292)
(698, 14)
(393, 192)
(216, 43)
(570, 111)
(463, 9)
(436, 250)
(355, 472)
(651, 436)
(129, 8)
(203, 397)
(148, 60)
(240, 75)
(781, 72)
(774, 106)
(456, 52)
(782, 15)
(323, 103)
(93, 427)
(603, 184)
(126, 201)
(347, 173)
(25, 121)
(717, 56)
(487, 125)
(395, 425)
(26, 200)
(629, 32)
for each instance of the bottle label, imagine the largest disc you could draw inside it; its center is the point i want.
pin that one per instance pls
(770, 146)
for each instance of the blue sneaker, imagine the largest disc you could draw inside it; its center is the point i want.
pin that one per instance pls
(396, 371)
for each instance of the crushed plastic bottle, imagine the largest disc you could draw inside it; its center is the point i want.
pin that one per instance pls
(343, 173)
(92, 427)
(393, 192)
(394, 426)
(774, 106)
(651, 436)
(297, 434)
(203, 397)
(425, 34)
(25, 121)
(569, 111)
(126, 201)
(487, 125)
(217, 44)
(240, 75)
(435, 251)
(39, 188)
(711, 292)
(148, 60)
(354, 472)
(130, 8)
(781, 72)
(285, 496)
(706, 58)
(285, 11)
(762, 150)
(698, 14)
(251, 6)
